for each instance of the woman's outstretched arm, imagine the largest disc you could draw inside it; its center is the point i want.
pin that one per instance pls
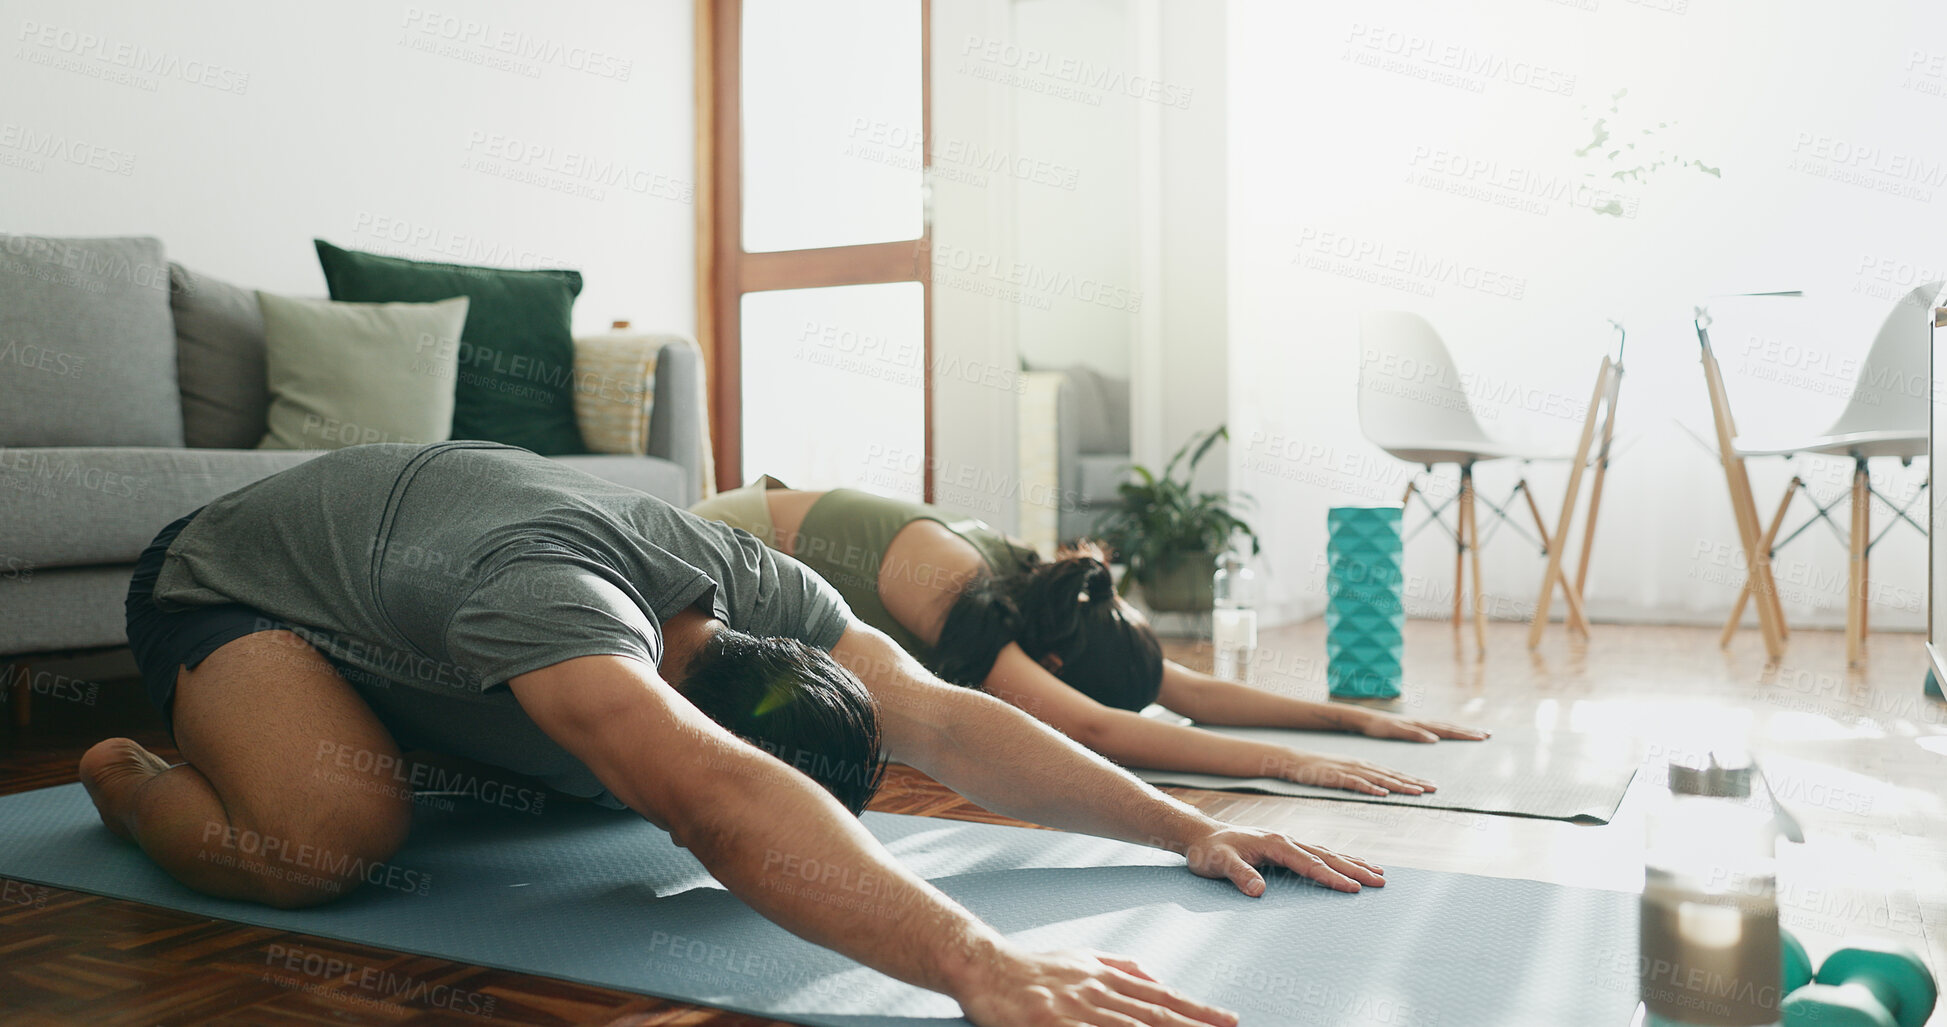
(1134, 740)
(1211, 700)
(1010, 763)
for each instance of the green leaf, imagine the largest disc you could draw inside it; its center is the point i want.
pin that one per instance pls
(1161, 520)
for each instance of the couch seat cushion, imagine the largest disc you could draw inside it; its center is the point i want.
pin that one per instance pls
(83, 505)
(70, 608)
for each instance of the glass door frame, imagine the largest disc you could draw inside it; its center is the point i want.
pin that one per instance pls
(725, 271)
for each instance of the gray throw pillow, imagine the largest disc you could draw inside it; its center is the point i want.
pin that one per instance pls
(87, 350)
(345, 374)
(219, 361)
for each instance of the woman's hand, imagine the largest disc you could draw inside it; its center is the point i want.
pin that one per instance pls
(1064, 989)
(1236, 853)
(1377, 724)
(1321, 771)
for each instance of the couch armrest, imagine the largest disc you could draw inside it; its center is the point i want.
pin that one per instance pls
(679, 428)
(642, 394)
(1070, 408)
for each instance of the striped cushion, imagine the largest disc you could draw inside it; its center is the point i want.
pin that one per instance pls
(615, 389)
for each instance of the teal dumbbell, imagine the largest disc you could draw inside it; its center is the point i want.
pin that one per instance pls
(1798, 965)
(1865, 986)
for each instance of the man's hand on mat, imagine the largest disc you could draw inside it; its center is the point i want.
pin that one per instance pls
(1321, 771)
(1030, 989)
(1237, 852)
(1387, 725)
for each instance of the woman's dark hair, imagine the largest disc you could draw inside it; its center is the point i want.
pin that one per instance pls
(795, 702)
(1065, 609)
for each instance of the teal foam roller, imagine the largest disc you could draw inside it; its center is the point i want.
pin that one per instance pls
(1379, 597)
(1349, 682)
(1348, 521)
(1365, 617)
(1363, 589)
(1351, 620)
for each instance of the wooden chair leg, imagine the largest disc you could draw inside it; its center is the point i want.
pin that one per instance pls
(1764, 588)
(1557, 545)
(1474, 549)
(1866, 583)
(1578, 616)
(1866, 561)
(1601, 472)
(1773, 601)
(1770, 534)
(1578, 619)
(1588, 532)
(1855, 580)
(1534, 511)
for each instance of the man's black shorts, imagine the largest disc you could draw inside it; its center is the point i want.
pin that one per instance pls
(165, 643)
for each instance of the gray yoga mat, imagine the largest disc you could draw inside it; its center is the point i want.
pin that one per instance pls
(1523, 772)
(602, 897)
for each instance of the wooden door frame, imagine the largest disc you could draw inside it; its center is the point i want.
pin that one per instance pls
(724, 272)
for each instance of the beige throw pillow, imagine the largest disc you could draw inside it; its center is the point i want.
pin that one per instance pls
(345, 374)
(615, 389)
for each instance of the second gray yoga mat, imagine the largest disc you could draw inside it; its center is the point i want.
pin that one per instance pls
(599, 896)
(1524, 772)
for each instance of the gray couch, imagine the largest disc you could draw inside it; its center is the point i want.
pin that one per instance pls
(131, 389)
(1093, 435)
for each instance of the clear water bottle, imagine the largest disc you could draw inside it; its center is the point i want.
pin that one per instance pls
(1709, 935)
(1233, 620)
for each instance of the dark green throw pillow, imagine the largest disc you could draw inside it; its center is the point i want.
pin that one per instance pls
(516, 355)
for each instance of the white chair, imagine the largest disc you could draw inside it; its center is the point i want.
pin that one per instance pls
(1413, 404)
(1885, 416)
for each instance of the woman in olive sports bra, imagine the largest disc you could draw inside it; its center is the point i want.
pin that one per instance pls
(1051, 638)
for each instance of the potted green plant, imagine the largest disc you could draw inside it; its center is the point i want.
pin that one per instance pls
(1169, 536)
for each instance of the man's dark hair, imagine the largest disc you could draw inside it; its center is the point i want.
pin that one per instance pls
(795, 702)
(1066, 609)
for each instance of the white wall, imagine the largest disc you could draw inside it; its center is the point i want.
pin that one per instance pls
(1103, 238)
(1076, 233)
(1191, 390)
(974, 322)
(1426, 135)
(473, 132)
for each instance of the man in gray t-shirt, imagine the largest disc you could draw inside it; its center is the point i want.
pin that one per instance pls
(485, 602)
(434, 575)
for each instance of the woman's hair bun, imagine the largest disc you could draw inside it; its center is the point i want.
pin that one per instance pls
(1099, 583)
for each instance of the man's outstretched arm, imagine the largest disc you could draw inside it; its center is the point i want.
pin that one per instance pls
(755, 823)
(1012, 763)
